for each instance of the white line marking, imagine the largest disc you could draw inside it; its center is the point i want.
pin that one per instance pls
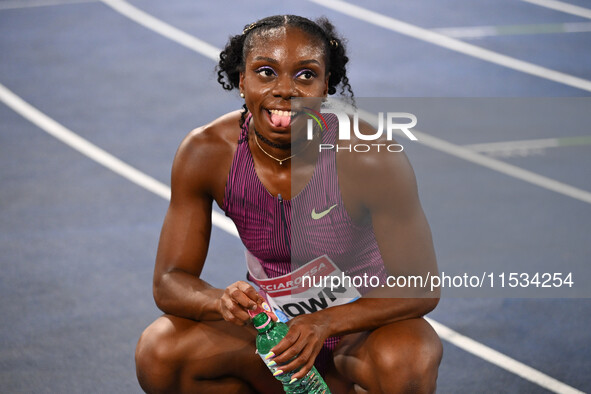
(505, 168)
(489, 31)
(467, 32)
(514, 148)
(576, 27)
(491, 147)
(97, 154)
(535, 144)
(563, 7)
(453, 44)
(164, 29)
(106, 159)
(501, 360)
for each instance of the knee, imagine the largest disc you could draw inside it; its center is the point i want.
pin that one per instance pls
(414, 369)
(409, 365)
(156, 366)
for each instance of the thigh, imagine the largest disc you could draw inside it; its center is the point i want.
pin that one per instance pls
(187, 353)
(400, 357)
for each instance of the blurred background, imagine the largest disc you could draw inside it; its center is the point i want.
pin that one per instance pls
(84, 83)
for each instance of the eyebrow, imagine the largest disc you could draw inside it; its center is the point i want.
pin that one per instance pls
(268, 59)
(274, 61)
(308, 62)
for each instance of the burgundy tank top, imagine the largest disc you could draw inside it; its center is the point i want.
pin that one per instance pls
(283, 233)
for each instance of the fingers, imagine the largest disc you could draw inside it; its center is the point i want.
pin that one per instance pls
(297, 351)
(233, 313)
(243, 296)
(237, 299)
(302, 364)
(288, 347)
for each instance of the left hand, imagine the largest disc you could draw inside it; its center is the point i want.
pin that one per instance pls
(301, 345)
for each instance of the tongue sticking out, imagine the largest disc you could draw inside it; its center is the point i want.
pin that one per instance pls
(280, 120)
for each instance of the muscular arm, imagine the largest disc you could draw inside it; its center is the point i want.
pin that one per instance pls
(199, 177)
(184, 239)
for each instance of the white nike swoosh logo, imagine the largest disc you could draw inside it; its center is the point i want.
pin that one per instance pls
(322, 214)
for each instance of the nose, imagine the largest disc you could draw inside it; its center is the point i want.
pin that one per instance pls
(284, 87)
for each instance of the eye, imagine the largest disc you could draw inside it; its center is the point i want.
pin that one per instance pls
(265, 71)
(306, 75)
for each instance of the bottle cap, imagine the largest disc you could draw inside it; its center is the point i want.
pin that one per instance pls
(256, 311)
(263, 308)
(261, 321)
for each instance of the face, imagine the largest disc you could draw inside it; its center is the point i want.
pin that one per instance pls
(283, 63)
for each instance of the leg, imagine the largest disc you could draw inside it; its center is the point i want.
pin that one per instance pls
(402, 357)
(176, 355)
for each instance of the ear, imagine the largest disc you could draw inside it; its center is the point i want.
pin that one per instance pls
(241, 82)
(325, 92)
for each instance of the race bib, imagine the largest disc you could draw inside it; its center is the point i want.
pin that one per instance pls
(302, 290)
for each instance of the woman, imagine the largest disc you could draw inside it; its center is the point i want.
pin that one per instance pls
(243, 162)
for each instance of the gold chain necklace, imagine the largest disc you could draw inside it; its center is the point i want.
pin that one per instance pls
(268, 154)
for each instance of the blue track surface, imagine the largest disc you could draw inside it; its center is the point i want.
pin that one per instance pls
(78, 241)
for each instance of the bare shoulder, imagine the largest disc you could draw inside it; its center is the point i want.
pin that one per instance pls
(217, 135)
(205, 155)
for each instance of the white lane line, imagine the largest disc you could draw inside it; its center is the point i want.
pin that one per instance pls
(467, 32)
(491, 31)
(563, 7)
(452, 44)
(508, 149)
(493, 147)
(31, 113)
(502, 167)
(97, 154)
(164, 29)
(524, 147)
(501, 360)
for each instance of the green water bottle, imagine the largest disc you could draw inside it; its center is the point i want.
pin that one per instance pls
(270, 333)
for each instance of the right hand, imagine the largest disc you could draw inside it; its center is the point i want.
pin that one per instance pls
(237, 300)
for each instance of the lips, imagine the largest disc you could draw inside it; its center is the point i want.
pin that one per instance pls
(280, 118)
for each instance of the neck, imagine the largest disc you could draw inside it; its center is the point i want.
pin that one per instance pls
(270, 149)
(270, 143)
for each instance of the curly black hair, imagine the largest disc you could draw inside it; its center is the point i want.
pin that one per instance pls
(232, 58)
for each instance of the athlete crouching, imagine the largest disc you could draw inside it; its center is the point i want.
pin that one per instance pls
(366, 218)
